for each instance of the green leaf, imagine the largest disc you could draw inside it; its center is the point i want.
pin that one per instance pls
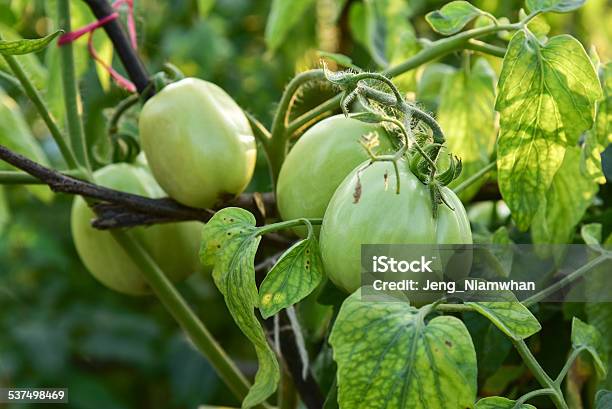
(555, 6)
(496, 402)
(20, 47)
(587, 337)
(30, 62)
(284, 15)
(430, 84)
(296, 274)
(229, 242)
(509, 315)
(389, 357)
(467, 116)
(16, 135)
(383, 28)
(452, 17)
(600, 136)
(566, 201)
(603, 400)
(546, 101)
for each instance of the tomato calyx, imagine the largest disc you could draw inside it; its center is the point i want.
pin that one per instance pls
(390, 109)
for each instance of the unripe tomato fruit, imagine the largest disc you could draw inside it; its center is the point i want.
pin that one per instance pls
(198, 142)
(173, 246)
(319, 161)
(383, 217)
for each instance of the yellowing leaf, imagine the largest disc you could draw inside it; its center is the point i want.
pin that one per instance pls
(296, 274)
(566, 201)
(467, 116)
(546, 100)
(229, 243)
(388, 356)
(452, 17)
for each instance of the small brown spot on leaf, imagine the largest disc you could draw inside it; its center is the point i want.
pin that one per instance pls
(448, 343)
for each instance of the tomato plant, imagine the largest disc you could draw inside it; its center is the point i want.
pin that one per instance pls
(319, 161)
(173, 246)
(198, 142)
(502, 116)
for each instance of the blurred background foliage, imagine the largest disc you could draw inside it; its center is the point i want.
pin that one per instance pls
(59, 327)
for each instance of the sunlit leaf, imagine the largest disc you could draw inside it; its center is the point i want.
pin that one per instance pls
(383, 28)
(600, 136)
(496, 402)
(296, 274)
(452, 17)
(25, 46)
(587, 337)
(284, 15)
(556, 6)
(229, 243)
(467, 116)
(566, 201)
(390, 357)
(509, 315)
(546, 100)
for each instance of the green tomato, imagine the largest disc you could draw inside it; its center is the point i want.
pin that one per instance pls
(319, 162)
(198, 143)
(173, 246)
(381, 216)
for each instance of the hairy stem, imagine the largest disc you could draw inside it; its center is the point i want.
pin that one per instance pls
(576, 274)
(475, 177)
(567, 366)
(539, 373)
(485, 48)
(269, 228)
(431, 52)
(69, 82)
(276, 149)
(182, 313)
(533, 394)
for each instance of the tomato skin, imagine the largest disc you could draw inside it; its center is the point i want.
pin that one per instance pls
(383, 217)
(198, 142)
(173, 246)
(318, 163)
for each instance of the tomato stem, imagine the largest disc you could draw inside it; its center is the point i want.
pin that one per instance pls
(182, 313)
(71, 102)
(269, 228)
(41, 106)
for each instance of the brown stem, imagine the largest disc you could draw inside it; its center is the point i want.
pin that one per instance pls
(121, 209)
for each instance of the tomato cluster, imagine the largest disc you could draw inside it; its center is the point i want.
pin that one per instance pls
(327, 175)
(201, 150)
